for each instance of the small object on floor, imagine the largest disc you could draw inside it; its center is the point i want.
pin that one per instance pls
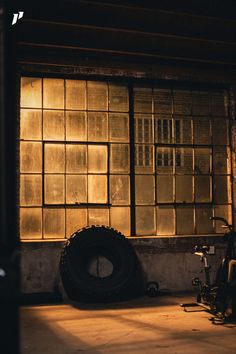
(152, 288)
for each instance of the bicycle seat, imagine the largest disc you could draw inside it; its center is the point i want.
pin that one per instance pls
(200, 250)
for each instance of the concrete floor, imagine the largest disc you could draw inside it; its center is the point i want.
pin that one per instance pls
(144, 325)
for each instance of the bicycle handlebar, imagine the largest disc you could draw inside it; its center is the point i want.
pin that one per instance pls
(221, 219)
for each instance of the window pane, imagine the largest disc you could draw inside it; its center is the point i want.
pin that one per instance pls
(183, 130)
(164, 129)
(184, 189)
(76, 189)
(164, 160)
(143, 128)
(75, 94)
(31, 124)
(119, 189)
(120, 219)
(218, 104)
(185, 220)
(76, 126)
(203, 224)
(221, 160)
(119, 127)
(97, 96)
(221, 189)
(162, 101)
(182, 102)
(54, 158)
(202, 161)
(76, 158)
(202, 188)
(200, 103)
(97, 189)
(97, 126)
(201, 129)
(118, 98)
(54, 189)
(53, 125)
(53, 93)
(184, 160)
(98, 216)
(224, 211)
(30, 157)
(31, 92)
(144, 159)
(145, 221)
(30, 190)
(31, 223)
(144, 190)
(97, 158)
(165, 220)
(53, 223)
(219, 132)
(119, 160)
(75, 220)
(164, 189)
(143, 100)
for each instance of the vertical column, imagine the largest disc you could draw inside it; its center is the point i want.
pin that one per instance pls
(232, 112)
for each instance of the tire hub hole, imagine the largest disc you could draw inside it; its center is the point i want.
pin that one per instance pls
(99, 267)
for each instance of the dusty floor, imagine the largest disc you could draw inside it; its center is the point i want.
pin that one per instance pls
(144, 325)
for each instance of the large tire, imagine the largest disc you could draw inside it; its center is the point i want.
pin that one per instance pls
(99, 241)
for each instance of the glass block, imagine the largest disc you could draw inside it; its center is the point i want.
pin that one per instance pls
(53, 93)
(164, 129)
(97, 96)
(200, 103)
(31, 157)
(54, 158)
(98, 216)
(31, 190)
(118, 98)
(185, 220)
(202, 161)
(202, 131)
(76, 189)
(30, 223)
(142, 99)
(144, 190)
(164, 160)
(31, 124)
(53, 125)
(53, 223)
(97, 189)
(76, 126)
(220, 132)
(119, 190)
(54, 189)
(31, 92)
(221, 189)
(97, 126)
(165, 220)
(164, 188)
(183, 130)
(120, 219)
(202, 189)
(221, 160)
(97, 158)
(144, 159)
(184, 160)
(119, 158)
(119, 127)
(219, 104)
(76, 94)
(143, 128)
(203, 223)
(224, 211)
(145, 220)
(182, 102)
(184, 189)
(162, 101)
(76, 158)
(75, 220)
